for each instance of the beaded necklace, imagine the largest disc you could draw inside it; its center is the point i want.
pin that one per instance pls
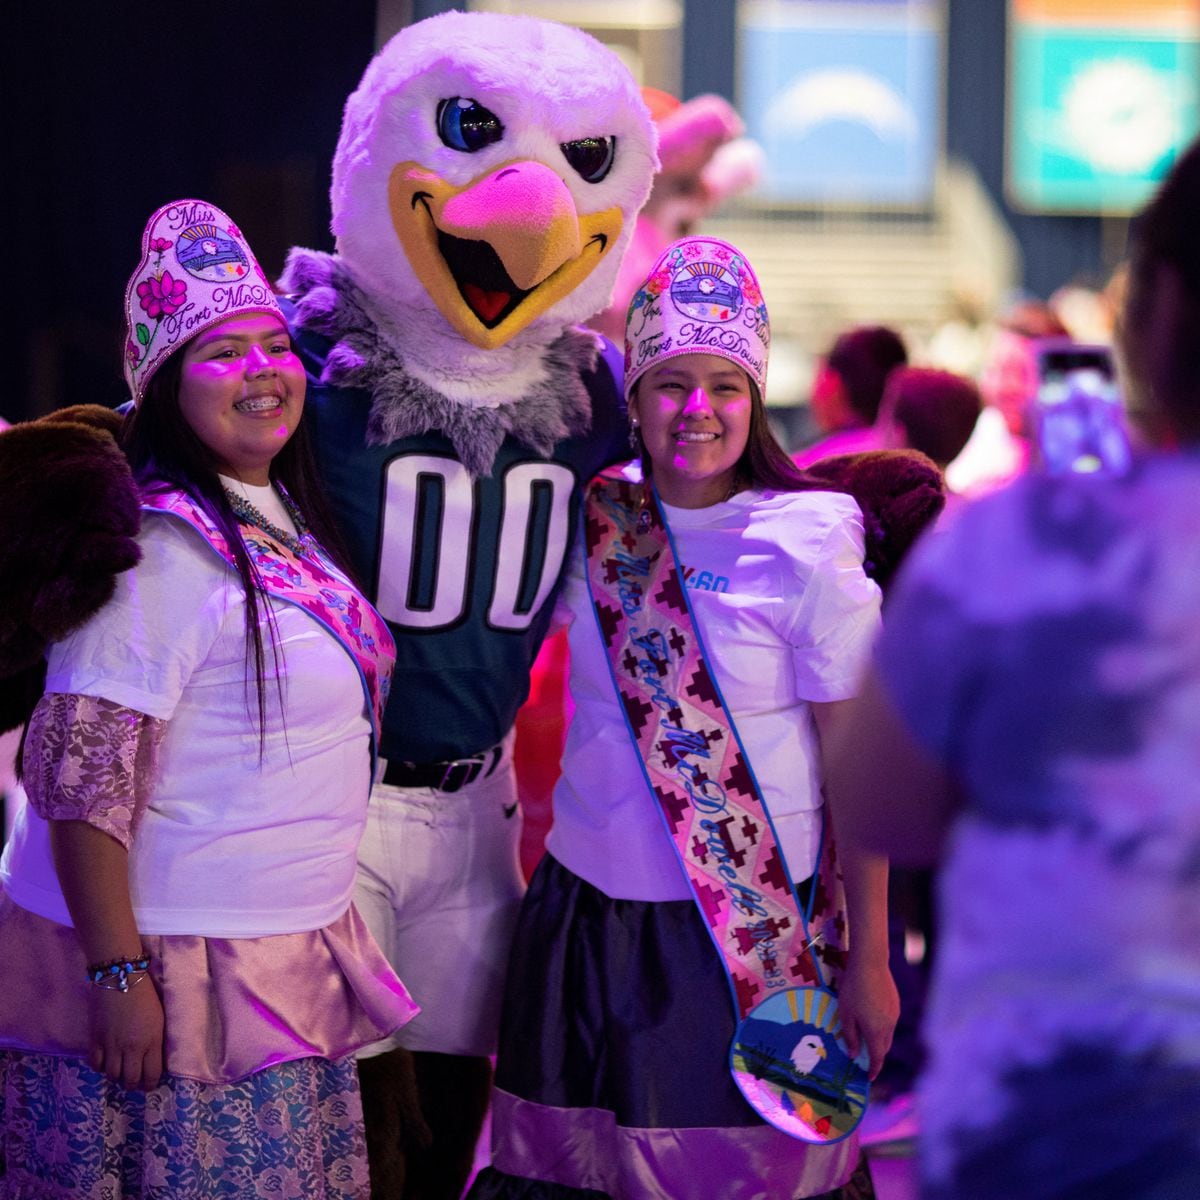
(249, 515)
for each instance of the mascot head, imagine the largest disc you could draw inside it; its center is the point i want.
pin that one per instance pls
(488, 175)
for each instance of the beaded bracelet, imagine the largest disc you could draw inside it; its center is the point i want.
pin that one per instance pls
(115, 976)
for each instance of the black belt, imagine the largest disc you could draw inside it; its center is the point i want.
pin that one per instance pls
(447, 776)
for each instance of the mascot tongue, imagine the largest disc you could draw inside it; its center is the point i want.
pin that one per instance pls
(481, 276)
(488, 305)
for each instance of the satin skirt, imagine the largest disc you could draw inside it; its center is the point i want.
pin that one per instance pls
(232, 1006)
(613, 1078)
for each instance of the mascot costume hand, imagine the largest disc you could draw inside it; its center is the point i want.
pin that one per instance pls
(486, 183)
(70, 526)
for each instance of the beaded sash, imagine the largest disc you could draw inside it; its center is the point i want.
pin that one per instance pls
(311, 582)
(787, 1056)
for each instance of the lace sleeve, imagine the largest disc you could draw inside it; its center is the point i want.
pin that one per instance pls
(88, 759)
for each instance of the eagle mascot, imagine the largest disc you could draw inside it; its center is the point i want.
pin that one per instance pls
(486, 183)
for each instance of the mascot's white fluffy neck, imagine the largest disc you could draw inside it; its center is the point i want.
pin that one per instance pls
(439, 357)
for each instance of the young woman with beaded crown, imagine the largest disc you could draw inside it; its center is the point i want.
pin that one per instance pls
(176, 895)
(613, 1074)
(203, 420)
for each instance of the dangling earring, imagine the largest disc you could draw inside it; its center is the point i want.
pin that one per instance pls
(633, 433)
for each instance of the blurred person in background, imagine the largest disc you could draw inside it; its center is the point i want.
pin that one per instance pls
(928, 410)
(1086, 312)
(998, 449)
(703, 161)
(1034, 717)
(848, 389)
(959, 341)
(934, 412)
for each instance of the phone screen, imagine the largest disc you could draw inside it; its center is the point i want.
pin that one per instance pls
(1079, 418)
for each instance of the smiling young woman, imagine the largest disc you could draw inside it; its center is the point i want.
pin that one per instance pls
(180, 869)
(241, 390)
(626, 1090)
(694, 416)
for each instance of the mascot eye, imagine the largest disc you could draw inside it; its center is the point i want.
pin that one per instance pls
(591, 157)
(466, 125)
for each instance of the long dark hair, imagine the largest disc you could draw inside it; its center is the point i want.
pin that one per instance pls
(1162, 346)
(165, 454)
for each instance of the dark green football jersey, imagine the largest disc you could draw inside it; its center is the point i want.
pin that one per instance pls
(465, 571)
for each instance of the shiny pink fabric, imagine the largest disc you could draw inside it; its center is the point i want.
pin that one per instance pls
(585, 1148)
(232, 1005)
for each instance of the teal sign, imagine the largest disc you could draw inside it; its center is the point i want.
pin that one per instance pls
(1096, 118)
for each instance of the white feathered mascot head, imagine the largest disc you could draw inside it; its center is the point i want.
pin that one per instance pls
(486, 183)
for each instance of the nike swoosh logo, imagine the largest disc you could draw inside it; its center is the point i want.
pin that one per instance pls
(509, 811)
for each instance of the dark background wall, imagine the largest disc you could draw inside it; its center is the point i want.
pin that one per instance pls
(119, 107)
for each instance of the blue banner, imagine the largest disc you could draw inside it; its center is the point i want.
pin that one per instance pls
(843, 97)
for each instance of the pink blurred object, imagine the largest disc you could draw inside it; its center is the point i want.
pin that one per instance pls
(705, 161)
(689, 132)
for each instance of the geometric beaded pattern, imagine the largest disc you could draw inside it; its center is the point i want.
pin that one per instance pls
(693, 761)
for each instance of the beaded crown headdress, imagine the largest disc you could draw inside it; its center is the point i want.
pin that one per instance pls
(701, 297)
(196, 271)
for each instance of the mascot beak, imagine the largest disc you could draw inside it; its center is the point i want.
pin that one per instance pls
(499, 252)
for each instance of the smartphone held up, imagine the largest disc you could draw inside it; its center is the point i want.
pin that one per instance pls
(1078, 418)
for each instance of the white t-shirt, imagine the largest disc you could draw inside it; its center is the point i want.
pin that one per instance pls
(787, 617)
(227, 847)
